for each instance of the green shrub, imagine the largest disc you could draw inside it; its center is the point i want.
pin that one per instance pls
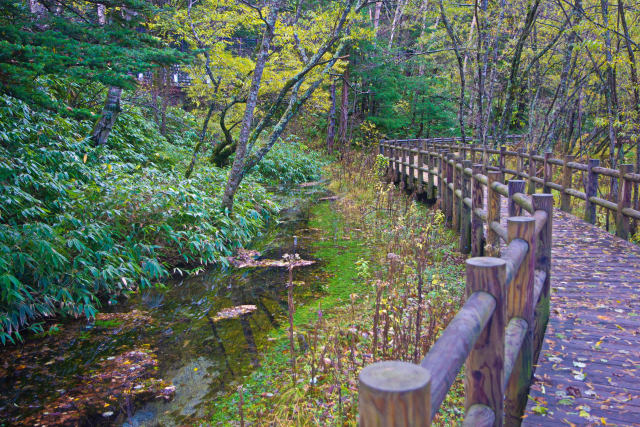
(289, 162)
(80, 224)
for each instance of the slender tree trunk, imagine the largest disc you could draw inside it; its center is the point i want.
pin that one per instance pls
(110, 113)
(331, 126)
(203, 135)
(111, 109)
(610, 96)
(609, 86)
(235, 175)
(514, 82)
(636, 95)
(344, 110)
(567, 68)
(481, 69)
(376, 20)
(456, 43)
(397, 18)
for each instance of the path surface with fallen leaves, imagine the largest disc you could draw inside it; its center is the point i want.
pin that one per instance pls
(588, 372)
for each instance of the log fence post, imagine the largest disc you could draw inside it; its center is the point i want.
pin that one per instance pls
(422, 161)
(396, 166)
(521, 157)
(591, 190)
(465, 211)
(543, 202)
(440, 175)
(493, 213)
(532, 173)
(520, 306)
(394, 394)
(455, 201)
(548, 173)
(623, 223)
(477, 231)
(515, 186)
(405, 164)
(430, 180)
(412, 160)
(484, 370)
(502, 161)
(565, 198)
(450, 196)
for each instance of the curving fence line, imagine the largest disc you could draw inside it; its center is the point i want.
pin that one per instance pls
(498, 332)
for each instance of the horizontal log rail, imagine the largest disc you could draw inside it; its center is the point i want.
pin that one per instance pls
(538, 171)
(498, 332)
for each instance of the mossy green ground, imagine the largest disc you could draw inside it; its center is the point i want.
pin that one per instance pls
(340, 249)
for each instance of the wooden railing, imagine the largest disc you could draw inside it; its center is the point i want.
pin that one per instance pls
(538, 171)
(499, 330)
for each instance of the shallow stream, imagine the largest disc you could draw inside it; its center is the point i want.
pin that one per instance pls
(198, 355)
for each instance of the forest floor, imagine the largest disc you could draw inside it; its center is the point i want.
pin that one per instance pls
(387, 258)
(387, 279)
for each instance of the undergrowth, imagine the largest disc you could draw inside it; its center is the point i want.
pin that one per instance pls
(80, 225)
(396, 281)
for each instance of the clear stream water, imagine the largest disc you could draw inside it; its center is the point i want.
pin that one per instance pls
(198, 356)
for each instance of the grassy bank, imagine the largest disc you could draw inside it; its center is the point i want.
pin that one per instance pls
(392, 265)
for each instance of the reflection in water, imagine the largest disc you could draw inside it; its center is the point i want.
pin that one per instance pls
(202, 357)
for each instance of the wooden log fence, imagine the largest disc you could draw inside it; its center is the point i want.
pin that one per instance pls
(538, 172)
(499, 330)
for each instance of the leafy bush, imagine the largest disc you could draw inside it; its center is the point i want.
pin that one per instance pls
(79, 224)
(289, 162)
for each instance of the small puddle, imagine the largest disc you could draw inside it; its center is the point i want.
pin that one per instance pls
(194, 353)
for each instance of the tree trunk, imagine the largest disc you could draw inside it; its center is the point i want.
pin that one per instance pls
(564, 77)
(397, 18)
(456, 43)
(610, 95)
(108, 117)
(636, 96)
(344, 110)
(376, 19)
(331, 127)
(514, 83)
(235, 175)
(481, 70)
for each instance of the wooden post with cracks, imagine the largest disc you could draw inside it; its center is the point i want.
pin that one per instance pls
(515, 186)
(455, 201)
(450, 196)
(422, 161)
(548, 173)
(565, 199)
(520, 306)
(521, 156)
(477, 232)
(623, 222)
(493, 213)
(465, 211)
(411, 159)
(430, 180)
(484, 370)
(394, 394)
(532, 173)
(543, 202)
(591, 190)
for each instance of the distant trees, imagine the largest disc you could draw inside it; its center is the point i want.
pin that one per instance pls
(49, 46)
(562, 72)
(259, 63)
